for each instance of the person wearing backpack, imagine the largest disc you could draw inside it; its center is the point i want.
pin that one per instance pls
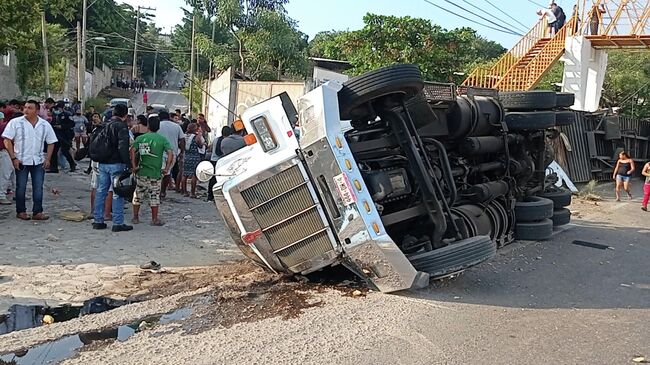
(110, 147)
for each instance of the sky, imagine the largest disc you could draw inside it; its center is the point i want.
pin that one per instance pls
(314, 16)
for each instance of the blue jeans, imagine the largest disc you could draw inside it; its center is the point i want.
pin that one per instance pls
(104, 179)
(38, 176)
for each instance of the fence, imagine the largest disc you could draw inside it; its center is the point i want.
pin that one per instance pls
(592, 144)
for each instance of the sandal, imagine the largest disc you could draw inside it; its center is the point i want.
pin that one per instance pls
(135, 221)
(24, 216)
(194, 196)
(40, 217)
(186, 195)
(157, 223)
(151, 265)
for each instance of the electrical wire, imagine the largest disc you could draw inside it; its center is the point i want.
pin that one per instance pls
(537, 4)
(508, 15)
(470, 20)
(194, 81)
(512, 26)
(481, 17)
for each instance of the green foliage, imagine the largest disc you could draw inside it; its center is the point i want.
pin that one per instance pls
(627, 83)
(385, 40)
(31, 67)
(552, 77)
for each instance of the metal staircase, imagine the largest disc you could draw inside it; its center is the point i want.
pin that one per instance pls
(522, 70)
(605, 23)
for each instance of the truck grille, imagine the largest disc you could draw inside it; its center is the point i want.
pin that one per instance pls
(288, 215)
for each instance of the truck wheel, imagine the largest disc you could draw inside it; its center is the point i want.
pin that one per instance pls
(517, 121)
(561, 198)
(528, 100)
(533, 208)
(534, 231)
(458, 256)
(359, 91)
(561, 217)
(565, 100)
(565, 117)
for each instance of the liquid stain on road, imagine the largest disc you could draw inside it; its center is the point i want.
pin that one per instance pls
(66, 347)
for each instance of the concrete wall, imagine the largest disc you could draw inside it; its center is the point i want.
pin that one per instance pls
(216, 111)
(239, 95)
(95, 82)
(584, 73)
(8, 86)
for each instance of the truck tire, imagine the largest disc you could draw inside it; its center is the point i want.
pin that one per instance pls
(533, 208)
(528, 100)
(456, 257)
(561, 198)
(358, 91)
(518, 121)
(561, 217)
(565, 100)
(534, 231)
(564, 118)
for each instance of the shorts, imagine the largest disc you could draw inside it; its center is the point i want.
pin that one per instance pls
(93, 176)
(147, 189)
(80, 134)
(624, 178)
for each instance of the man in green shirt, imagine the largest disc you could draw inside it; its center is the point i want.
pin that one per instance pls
(146, 161)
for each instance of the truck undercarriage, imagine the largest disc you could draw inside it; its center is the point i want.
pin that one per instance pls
(424, 182)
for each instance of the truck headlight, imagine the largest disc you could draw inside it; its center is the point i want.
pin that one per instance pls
(261, 127)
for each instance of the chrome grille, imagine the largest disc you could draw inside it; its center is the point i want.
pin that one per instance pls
(273, 187)
(305, 250)
(289, 217)
(294, 229)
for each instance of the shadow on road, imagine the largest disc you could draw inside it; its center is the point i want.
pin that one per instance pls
(559, 273)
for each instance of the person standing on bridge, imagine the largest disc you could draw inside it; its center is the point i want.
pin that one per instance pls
(559, 15)
(550, 18)
(145, 98)
(595, 18)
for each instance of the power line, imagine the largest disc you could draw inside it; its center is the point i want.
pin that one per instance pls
(538, 4)
(503, 21)
(481, 17)
(470, 20)
(176, 66)
(508, 15)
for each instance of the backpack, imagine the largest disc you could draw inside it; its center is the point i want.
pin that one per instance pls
(101, 146)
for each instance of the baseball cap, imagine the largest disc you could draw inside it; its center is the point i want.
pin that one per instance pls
(2, 115)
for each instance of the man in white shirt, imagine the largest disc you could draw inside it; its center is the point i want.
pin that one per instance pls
(550, 18)
(24, 138)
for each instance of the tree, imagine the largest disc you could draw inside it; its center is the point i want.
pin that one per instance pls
(239, 17)
(385, 40)
(627, 83)
(325, 45)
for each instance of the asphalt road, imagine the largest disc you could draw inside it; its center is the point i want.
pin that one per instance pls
(171, 97)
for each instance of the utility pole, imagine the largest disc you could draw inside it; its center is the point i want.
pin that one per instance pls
(135, 44)
(214, 28)
(45, 57)
(80, 67)
(192, 64)
(155, 63)
(134, 74)
(83, 56)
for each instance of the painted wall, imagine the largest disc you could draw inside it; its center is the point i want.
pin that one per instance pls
(8, 86)
(584, 73)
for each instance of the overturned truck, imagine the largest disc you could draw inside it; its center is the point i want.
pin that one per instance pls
(398, 179)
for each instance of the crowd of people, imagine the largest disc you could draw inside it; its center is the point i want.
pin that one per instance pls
(133, 158)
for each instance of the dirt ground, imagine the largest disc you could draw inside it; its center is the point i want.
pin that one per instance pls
(535, 303)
